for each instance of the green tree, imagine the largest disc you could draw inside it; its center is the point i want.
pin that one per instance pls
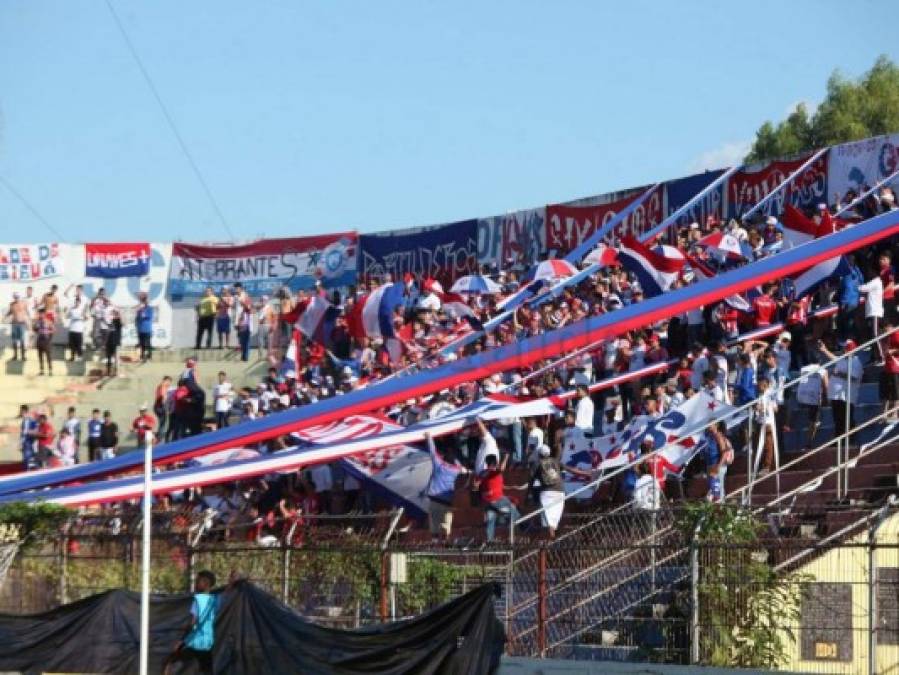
(851, 110)
(747, 610)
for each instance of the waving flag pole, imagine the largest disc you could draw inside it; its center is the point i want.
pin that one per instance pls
(786, 181)
(670, 220)
(577, 254)
(868, 192)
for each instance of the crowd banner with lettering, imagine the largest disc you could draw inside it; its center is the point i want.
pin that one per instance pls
(123, 292)
(30, 262)
(444, 252)
(110, 261)
(751, 185)
(264, 266)
(519, 237)
(859, 165)
(680, 191)
(567, 227)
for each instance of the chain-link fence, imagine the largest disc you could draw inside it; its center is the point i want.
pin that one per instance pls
(709, 586)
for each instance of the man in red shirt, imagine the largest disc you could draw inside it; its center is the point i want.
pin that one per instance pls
(493, 494)
(143, 426)
(764, 307)
(44, 434)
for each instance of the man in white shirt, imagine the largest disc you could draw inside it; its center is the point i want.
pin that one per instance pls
(843, 384)
(488, 447)
(535, 440)
(700, 365)
(222, 394)
(647, 494)
(583, 411)
(873, 291)
(76, 319)
(711, 387)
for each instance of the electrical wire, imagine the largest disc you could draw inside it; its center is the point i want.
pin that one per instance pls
(169, 120)
(18, 195)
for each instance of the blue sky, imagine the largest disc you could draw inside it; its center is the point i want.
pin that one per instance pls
(312, 117)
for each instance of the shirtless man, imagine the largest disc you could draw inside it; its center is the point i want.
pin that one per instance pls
(50, 303)
(18, 317)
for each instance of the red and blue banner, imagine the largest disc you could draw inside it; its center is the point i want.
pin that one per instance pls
(111, 261)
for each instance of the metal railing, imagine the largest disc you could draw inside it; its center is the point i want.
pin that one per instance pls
(739, 411)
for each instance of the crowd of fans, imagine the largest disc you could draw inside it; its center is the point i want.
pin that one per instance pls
(699, 345)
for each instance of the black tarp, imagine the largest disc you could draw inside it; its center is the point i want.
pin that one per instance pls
(254, 633)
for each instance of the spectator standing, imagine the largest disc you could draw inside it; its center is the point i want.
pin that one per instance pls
(764, 307)
(143, 322)
(27, 426)
(244, 329)
(647, 494)
(888, 278)
(109, 437)
(223, 397)
(44, 434)
(99, 313)
(73, 426)
(441, 489)
(19, 321)
(497, 505)
(889, 379)
(113, 340)
(547, 476)
(843, 385)
(223, 318)
(161, 402)
(873, 291)
(810, 394)
(766, 426)
(43, 331)
(143, 426)
(849, 298)
(94, 429)
(584, 410)
(76, 314)
(66, 450)
(487, 448)
(266, 322)
(744, 385)
(196, 647)
(206, 310)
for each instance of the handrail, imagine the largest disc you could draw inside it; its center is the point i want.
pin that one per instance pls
(692, 432)
(848, 463)
(741, 492)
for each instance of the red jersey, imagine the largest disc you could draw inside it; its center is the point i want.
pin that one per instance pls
(765, 309)
(45, 433)
(798, 314)
(728, 317)
(886, 276)
(492, 485)
(143, 424)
